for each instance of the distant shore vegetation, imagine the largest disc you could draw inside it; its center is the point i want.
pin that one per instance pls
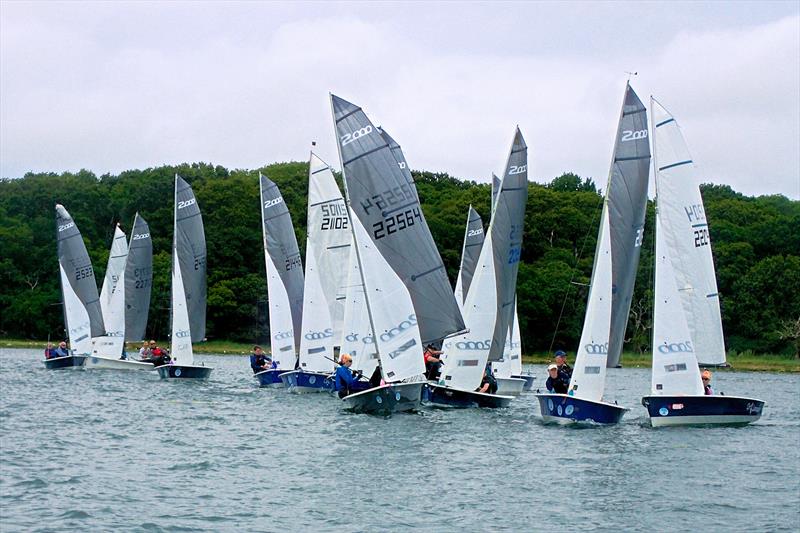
(756, 243)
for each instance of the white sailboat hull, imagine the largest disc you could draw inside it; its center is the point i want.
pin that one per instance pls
(510, 386)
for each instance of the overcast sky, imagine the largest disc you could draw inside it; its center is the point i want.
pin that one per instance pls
(114, 86)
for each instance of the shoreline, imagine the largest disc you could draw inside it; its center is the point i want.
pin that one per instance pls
(746, 362)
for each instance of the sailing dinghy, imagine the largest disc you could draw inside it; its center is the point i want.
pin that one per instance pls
(619, 239)
(82, 315)
(489, 304)
(108, 349)
(327, 251)
(284, 284)
(188, 306)
(685, 294)
(408, 298)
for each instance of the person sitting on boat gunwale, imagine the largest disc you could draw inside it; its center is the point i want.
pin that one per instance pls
(555, 381)
(345, 378)
(433, 363)
(488, 383)
(260, 361)
(706, 377)
(564, 370)
(159, 356)
(52, 353)
(144, 351)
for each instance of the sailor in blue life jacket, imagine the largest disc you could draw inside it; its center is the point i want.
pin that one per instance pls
(52, 353)
(259, 361)
(555, 380)
(488, 383)
(345, 378)
(564, 370)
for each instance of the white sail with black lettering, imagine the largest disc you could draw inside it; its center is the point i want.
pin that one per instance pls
(383, 197)
(327, 254)
(357, 337)
(470, 252)
(284, 276)
(138, 280)
(626, 201)
(683, 221)
(83, 317)
(112, 298)
(188, 307)
(511, 364)
(489, 305)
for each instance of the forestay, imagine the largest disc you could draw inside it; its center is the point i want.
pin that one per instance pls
(188, 275)
(83, 317)
(626, 200)
(489, 305)
(470, 252)
(357, 338)
(384, 199)
(138, 280)
(685, 228)
(112, 298)
(284, 276)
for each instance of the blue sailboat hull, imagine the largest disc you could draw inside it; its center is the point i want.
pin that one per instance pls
(270, 378)
(386, 399)
(702, 410)
(565, 409)
(70, 361)
(303, 381)
(183, 372)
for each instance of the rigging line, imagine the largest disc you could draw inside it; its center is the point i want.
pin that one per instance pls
(574, 268)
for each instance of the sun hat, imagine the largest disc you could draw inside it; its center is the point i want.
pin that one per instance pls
(552, 367)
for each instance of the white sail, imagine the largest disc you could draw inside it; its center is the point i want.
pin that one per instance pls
(281, 330)
(394, 323)
(685, 229)
(112, 299)
(77, 319)
(466, 355)
(675, 369)
(511, 364)
(316, 341)
(357, 339)
(181, 349)
(589, 375)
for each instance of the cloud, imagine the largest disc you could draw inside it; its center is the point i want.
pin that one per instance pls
(110, 89)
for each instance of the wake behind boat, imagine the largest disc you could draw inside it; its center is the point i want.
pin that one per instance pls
(188, 309)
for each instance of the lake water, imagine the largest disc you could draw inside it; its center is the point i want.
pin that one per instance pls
(105, 450)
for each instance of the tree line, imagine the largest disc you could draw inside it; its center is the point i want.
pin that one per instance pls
(756, 243)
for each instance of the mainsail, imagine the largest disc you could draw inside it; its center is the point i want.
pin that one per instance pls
(626, 202)
(384, 199)
(327, 252)
(495, 189)
(685, 232)
(112, 298)
(284, 276)
(489, 305)
(188, 275)
(83, 316)
(138, 280)
(470, 251)
(357, 337)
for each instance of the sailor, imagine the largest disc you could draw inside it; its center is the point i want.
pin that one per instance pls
(555, 381)
(61, 351)
(258, 361)
(159, 355)
(144, 351)
(345, 378)
(488, 383)
(564, 370)
(706, 376)
(433, 363)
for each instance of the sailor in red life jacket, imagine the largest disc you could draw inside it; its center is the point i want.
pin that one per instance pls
(433, 363)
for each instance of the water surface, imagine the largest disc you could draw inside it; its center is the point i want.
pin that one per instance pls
(107, 450)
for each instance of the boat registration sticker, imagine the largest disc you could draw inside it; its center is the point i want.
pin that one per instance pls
(677, 406)
(663, 411)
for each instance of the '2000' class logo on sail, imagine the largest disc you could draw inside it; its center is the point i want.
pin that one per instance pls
(63, 227)
(474, 345)
(183, 333)
(317, 335)
(283, 335)
(596, 349)
(400, 328)
(676, 347)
